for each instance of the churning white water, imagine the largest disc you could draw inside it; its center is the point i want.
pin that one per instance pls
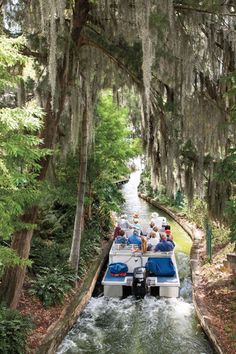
(151, 325)
(147, 326)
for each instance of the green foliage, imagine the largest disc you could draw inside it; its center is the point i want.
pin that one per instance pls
(112, 142)
(188, 152)
(113, 147)
(49, 253)
(53, 238)
(197, 213)
(52, 284)
(20, 152)
(145, 187)
(226, 169)
(226, 172)
(19, 164)
(90, 246)
(130, 55)
(11, 61)
(14, 329)
(20, 148)
(8, 257)
(64, 190)
(231, 211)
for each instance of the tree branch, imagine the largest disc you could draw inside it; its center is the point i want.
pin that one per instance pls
(86, 41)
(28, 52)
(197, 9)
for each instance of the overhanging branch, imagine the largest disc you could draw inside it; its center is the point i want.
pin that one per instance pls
(197, 9)
(89, 42)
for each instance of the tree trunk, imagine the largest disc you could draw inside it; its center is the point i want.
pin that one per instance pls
(90, 201)
(12, 282)
(13, 277)
(78, 224)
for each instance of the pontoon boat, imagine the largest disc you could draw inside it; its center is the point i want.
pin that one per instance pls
(153, 273)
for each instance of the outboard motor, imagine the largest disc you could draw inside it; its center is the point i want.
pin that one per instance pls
(139, 288)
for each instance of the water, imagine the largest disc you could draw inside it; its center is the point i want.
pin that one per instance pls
(148, 326)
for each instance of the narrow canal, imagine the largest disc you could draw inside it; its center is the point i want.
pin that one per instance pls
(148, 326)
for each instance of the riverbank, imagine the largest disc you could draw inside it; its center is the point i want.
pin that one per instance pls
(214, 292)
(52, 324)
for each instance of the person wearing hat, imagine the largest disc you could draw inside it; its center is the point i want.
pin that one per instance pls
(168, 232)
(137, 226)
(135, 216)
(169, 236)
(158, 220)
(123, 223)
(134, 239)
(154, 217)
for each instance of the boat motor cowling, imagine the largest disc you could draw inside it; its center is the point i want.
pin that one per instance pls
(139, 288)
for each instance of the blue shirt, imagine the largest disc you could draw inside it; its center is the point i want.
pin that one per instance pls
(134, 240)
(164, 246)
(121, 240)
(171, 241)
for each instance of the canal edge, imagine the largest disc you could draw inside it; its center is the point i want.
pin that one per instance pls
(197, 250)
(58, 330)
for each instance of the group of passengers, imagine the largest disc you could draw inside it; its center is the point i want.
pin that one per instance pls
(158, 236)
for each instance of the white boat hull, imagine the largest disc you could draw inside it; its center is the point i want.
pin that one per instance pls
(159, 285)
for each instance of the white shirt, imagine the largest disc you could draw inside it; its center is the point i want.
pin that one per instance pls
(153, 241)
(123, 224)
(159, 221)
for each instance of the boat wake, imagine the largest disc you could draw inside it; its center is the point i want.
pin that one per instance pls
(131, 326)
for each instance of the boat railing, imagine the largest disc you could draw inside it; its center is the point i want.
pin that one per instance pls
(134, 249)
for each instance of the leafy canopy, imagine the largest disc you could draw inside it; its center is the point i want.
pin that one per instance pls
(20, 149)
(113, 148)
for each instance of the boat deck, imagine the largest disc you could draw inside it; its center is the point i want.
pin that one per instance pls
(130, 255)
(128, 280)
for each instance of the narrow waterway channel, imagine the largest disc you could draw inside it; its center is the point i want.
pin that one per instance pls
(148, 326)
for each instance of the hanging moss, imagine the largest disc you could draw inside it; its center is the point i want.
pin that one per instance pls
(175, 58)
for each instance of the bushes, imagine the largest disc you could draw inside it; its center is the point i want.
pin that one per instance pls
(197, 213)
(54, 254)
(90, 245)
(52, 284)
(14, 329)
(51, 249)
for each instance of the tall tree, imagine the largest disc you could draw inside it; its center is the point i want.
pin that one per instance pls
(79, 214)
(60, 78)
(20, 155)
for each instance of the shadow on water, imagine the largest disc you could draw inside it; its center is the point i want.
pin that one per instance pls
(148, 326)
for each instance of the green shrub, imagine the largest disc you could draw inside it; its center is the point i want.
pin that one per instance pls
(197, 212)
(90, 244)
(54, 254)
(52, 284)
(14, 329)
